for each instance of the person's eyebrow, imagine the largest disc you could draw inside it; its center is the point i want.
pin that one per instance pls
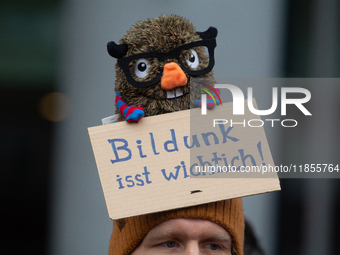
(219, 237)
(163, 236)
(170, 234)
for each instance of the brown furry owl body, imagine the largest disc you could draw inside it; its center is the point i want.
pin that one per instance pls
(159, 35)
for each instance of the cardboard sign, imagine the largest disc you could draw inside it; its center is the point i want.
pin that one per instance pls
(145, 167)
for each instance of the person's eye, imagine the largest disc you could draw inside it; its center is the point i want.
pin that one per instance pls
(141, 68)
(214, 246)
(192, 59)
(169, 244)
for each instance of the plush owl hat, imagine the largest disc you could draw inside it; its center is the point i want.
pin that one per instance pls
(157, 58)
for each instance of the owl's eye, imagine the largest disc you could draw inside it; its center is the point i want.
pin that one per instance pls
(192, 59)
(141, 68)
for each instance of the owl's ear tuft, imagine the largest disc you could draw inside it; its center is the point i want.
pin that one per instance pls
(210, 33)
(116, 51)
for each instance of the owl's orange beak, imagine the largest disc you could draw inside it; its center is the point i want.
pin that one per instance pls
(173, 76)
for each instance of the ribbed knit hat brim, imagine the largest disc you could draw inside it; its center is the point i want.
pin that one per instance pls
(129, 232)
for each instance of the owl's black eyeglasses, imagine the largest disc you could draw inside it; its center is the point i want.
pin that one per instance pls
(143, 69)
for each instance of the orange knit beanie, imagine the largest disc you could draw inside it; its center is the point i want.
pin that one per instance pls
(128, 233)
